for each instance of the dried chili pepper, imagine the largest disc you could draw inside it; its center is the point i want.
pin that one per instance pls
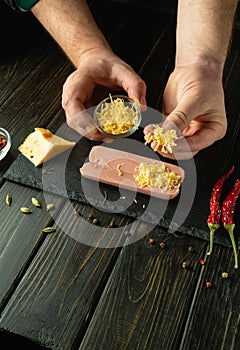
(228, 209)
(214, 219)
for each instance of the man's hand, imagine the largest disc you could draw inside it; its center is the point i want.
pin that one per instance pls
(193, 103)
(99, 71)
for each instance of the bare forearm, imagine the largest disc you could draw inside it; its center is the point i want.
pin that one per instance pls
(71, 24)
(204, 30)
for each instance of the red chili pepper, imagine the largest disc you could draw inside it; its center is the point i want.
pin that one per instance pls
(228, 209)
(214, 219)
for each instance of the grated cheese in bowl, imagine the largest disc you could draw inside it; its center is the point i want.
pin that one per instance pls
(164, 140)
(153, 175)
(117, 116)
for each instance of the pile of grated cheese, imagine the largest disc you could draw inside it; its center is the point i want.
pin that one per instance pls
(116, 117)
(153, 175)
(164, 140)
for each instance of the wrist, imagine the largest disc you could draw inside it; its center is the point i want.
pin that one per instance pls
(93, 52)
(205, 60)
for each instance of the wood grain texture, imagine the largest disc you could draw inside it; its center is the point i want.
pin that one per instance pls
(213, 321)
(146, 301)
(20, 234)
(57, 295)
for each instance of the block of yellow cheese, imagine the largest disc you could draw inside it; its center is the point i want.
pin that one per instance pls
(41, 145)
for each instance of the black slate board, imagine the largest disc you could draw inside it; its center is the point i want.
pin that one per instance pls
(186, 213)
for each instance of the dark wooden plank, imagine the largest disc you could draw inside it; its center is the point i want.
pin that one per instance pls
(30, 45)
(139, 36)
(20, 234)
(146, 301)
(54, 301)
(213, 322)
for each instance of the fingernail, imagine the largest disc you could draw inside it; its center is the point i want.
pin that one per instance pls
(108, 140)
(142, 100)
(90, 129)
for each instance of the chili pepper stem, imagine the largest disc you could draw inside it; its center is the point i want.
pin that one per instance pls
(213, 228)
(230, 229)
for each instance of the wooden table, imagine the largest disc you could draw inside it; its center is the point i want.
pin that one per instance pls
(57, 293)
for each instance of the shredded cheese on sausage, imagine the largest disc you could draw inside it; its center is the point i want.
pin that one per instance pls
(116, 117)
(153, 175)
(120, 173)
(164, 140)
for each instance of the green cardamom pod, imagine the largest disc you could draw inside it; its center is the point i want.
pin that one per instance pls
(35, 202)
(26, 210)
(8, 199)
(48, 229)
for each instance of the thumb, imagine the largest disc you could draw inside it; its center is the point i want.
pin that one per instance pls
(138, 92)
(180, 117)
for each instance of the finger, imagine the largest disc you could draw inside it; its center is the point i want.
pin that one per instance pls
(74, 107)
(187, 147)
(137, 91)
(184, 153)
(201, 139)
(179, 155)
(149, 129)
(182, 150)
(133, 85)
(75, 93)
(83, 123)
(77, 117)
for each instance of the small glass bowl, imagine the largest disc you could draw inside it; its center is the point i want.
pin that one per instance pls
(123, 106)
(3, 152)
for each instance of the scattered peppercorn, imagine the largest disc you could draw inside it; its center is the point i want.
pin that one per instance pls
(50, 206)
(95, 221)
(191, 249)
(208, 284)
(162, 245)
(3, 142)
(152, 241)
(185, 264)
(202, 262)
(224, 275)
